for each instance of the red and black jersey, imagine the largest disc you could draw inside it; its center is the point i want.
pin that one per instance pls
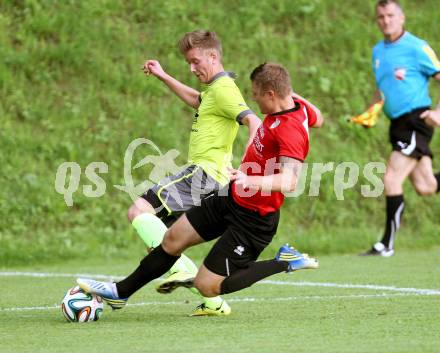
(281, 134)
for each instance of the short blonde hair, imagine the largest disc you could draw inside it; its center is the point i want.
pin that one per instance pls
(200, 39)
(270, 76)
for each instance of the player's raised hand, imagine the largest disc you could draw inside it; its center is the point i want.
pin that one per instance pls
(154, 68)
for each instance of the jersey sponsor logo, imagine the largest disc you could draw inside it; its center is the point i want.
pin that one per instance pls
(276, 123)
(257, 139)
(431, 54)
(239, 250)
(400, 74)
(377, 64)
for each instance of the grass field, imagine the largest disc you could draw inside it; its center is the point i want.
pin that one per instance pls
(71, 90)
(351, 304)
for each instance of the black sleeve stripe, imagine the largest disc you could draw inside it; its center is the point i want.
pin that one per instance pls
(240, 116)
(435, 73)
(297, 158)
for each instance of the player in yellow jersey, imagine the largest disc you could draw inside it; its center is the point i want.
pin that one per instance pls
(220, 108)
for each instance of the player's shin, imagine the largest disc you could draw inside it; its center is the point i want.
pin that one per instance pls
(184, 264)
(255, 272)
(150, 228)
(151, 267)
(394, 210)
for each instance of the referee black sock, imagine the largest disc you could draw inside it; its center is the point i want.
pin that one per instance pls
(255, 272)
(395, 207)
(152, 266)
(437, 176)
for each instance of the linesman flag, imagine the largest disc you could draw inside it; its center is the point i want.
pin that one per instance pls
(368, 118)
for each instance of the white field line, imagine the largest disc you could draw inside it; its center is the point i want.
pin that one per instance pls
(419, 291)
(400, 291)
(236, 300)
(57, 275)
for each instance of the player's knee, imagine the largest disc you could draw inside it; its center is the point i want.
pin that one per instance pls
(132, 213)
(172, 243)
(392, 183)
(138, 207)
(205, 288)
(389, 179)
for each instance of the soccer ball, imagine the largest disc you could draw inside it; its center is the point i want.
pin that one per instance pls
(79, 306)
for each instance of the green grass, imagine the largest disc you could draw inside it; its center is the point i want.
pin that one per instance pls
(266, 317)
(71, 89)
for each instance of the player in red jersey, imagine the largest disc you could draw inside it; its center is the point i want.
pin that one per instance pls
(243, 216)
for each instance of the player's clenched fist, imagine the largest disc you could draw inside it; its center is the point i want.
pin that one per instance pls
(431, 117)
(153, 67)
(238, 176)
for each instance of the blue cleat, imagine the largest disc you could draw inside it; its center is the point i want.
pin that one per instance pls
(296, 260)
(106, 290)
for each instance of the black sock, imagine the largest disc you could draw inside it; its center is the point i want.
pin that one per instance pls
(437, 176)
(253, 273)
(395, 207)
(152, 266)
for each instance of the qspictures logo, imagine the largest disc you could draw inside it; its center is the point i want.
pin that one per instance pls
(344, 175)
(68, 175)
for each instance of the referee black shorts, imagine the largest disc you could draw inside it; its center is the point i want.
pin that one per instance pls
(243, 233)
(410, 135)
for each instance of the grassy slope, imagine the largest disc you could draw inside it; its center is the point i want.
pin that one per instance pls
(281, 317)
(71, 89)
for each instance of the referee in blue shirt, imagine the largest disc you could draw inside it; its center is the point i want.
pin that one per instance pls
(402, 65)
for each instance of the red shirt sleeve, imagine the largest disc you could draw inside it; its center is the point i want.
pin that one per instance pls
(293, 141)
(310, 113)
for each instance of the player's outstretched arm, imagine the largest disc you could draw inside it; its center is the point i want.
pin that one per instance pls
(285, 181)
(319, 116)
(253, 123)
(189, 95)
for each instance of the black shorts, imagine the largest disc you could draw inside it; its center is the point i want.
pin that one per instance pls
(410, 135)
(243, 233)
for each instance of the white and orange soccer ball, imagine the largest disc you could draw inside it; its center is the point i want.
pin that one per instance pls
(78, 306)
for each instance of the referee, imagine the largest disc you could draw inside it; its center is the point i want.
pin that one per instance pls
(402, 65)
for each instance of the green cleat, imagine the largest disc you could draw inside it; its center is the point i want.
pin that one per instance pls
(202, 310)
(175, 280)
